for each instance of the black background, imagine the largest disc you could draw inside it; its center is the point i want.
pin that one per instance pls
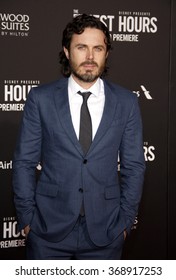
(150, 62)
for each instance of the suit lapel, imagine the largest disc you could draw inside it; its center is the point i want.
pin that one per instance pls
(107, 117)
(63, 111)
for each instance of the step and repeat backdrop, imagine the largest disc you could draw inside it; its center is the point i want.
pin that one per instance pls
(30, 41)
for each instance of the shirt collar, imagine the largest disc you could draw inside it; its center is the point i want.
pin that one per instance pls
(97, 88)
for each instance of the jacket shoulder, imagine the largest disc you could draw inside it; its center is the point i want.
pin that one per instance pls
(48, 88)
(119, 91)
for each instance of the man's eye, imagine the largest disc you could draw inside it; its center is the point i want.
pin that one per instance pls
(99, 49)
(81, 47)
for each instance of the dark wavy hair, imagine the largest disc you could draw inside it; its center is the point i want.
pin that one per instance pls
(77, 26)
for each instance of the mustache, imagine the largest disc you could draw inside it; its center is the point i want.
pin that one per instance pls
(89, 63)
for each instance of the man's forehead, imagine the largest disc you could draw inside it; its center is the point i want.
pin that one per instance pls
(89, 34)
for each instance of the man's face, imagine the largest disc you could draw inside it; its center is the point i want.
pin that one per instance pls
(87, 55)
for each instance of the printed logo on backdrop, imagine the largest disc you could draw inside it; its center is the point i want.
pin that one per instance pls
(127, 26)
(14, 24)
(5, 165)
(10, 236)
(143, 92)
(15, 94)
(149, 152)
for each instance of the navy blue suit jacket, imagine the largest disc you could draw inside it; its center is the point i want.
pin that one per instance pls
(51, 204)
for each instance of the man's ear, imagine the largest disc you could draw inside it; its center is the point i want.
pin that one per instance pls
(66, 52)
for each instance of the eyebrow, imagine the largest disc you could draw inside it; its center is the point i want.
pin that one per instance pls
(84, 45)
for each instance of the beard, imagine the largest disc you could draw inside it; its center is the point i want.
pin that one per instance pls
(87, 76)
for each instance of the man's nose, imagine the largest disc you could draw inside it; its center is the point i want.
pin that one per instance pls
(90, 53)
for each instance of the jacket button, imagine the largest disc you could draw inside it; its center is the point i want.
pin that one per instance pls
(85, 161)
(81, 190)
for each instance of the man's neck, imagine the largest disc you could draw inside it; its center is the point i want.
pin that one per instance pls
(84, 85)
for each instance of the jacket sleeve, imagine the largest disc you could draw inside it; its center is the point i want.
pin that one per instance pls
(25, 160)
(132, 165)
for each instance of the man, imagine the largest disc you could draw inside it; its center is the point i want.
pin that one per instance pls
(79, 207)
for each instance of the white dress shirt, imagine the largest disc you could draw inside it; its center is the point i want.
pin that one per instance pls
(95, 103)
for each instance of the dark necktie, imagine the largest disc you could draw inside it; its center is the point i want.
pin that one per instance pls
(85, 133)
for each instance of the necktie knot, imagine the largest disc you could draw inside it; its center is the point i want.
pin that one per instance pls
(85, 95)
